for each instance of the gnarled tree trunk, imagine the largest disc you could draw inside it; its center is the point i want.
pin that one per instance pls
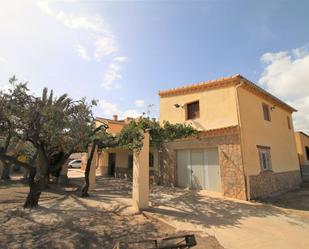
(38, 179)
(36, 186)
(6, 171)
(85, 188)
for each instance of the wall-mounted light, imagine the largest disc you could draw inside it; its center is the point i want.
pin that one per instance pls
(178, 106)
(273, 107)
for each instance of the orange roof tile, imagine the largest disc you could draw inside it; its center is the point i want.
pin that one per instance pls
(224, 82)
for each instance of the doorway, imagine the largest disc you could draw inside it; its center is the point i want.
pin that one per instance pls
(111, 164)
(199, 169)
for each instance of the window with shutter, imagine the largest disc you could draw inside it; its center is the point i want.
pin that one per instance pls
(193, 110)
(265, 157)
(266, 112)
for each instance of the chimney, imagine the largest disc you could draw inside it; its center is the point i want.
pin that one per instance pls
(115, 117)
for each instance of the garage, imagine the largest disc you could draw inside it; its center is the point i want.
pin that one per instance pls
(199, 169)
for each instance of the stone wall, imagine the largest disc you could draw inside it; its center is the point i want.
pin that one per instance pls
(125, 173)
(305, 172)
(269, 183)
(230, 160)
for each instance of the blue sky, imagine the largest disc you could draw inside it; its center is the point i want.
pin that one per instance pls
(122, 53)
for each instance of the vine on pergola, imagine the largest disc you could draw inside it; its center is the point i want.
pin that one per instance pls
(131, 136)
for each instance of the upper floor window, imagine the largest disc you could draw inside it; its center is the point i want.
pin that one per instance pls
(289, 122)
(266, 112)
(307, 152)
(193, 110)
(264, 155)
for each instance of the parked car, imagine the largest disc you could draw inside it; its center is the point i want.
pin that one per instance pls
(77, 163)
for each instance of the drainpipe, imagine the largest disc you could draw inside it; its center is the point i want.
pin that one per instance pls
(247, 185)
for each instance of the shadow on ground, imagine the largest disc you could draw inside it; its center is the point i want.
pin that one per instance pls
(64, 220)
(185, 205)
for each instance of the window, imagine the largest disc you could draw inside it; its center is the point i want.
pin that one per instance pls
(193, 110)
(151, 160)
(265, 158)
(130, 161)
(307, 152)
(289, 122)
(266, 112)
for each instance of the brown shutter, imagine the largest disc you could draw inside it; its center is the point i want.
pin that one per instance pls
(193, 110)
(266, 112)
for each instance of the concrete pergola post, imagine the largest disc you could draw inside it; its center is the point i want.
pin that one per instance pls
(141, 176)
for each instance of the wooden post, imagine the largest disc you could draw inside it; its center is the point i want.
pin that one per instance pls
(141, 176)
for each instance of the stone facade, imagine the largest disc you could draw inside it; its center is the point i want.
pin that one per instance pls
(230, 160)
(269, 183)
(125, 173)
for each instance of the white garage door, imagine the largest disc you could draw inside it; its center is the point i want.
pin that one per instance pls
(199, 169)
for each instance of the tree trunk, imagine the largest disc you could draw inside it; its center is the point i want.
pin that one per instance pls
(36, 187)
(38, 179)
(85, 188)
(6, 171)
(33, 197)
(63, 178)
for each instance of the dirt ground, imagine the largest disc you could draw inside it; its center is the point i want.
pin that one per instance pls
(64, 220)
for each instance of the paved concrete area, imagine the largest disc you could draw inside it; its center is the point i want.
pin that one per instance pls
(235, 224)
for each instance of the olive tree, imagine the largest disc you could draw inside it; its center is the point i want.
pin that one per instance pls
(55, 127)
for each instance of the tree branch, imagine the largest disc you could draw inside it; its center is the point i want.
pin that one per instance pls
(15, 161)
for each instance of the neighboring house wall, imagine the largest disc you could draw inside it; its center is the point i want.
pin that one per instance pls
(275, 134)
(113, 126)
(217, 108)
(122, 168)
(302, 141)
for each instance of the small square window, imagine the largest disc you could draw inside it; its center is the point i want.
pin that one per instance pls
(266, 112)
(193, 110)
(265, 158)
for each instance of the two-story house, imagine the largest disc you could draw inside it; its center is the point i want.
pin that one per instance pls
(246, 147)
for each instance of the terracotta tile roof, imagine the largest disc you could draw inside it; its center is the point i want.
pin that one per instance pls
(214, 132)
(111, 120)
(200, 86)
(236, 79)
(220, 131)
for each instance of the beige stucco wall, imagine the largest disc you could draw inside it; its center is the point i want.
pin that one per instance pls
(217, 108)
(121, 159)
(301, 141)
(257, 131)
